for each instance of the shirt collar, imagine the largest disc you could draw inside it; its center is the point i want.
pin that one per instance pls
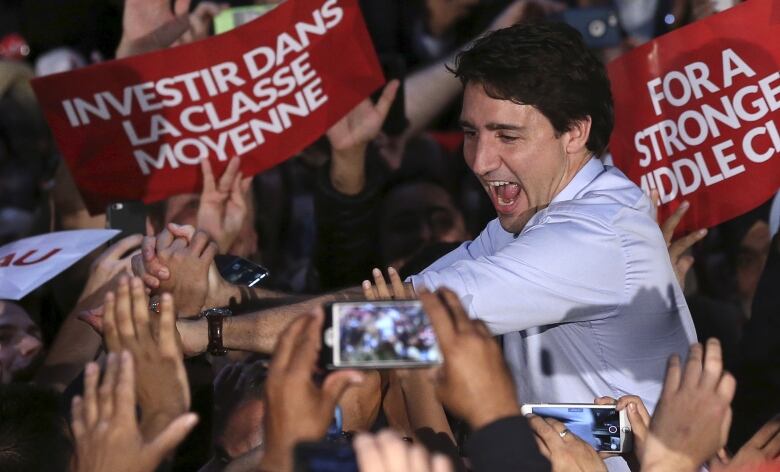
(592, 169)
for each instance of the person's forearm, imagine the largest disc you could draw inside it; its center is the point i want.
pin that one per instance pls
(257, 331)
(348, 170)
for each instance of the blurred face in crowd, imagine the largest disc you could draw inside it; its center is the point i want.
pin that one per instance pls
(517, 156)
(414, 216)
(20, 343)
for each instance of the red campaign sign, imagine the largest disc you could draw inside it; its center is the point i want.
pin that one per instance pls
(137, 128)
(697, 114)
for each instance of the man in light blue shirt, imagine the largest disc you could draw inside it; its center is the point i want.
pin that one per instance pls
(574, 272)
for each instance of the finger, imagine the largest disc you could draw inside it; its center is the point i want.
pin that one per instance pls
(386, 99)
(768, 432)
(713, 364)
(140, 312)
(772, 446)
(110, 334)
(367, 452)
(542, 447)
(94, 318)
(542, 429)
(672, 378)
(639, 423)
(116, 250)
(208, 176)
(284, 347)
(168, 342)
(149, 248)
(124, 318)
(77, 425)
(668, 226)
(626, 401)
(606, 401)
(441, 320)
(181, 7)
(726, 387)
(682, 267)
(381, 286)
(211, 251)
(246, 184)
(172, 436)
(441, 463)
(559, 428)
(455, 308)
(655, 197)
(91, 373)
(187, 232)
(199, 242)
(419, 460)
(106, 390)
(166, 237)
(693, 366)
(335, 385)
(125, 388)
(368, 290)
(481, 328)
(227, 178)
(680, 245)
(307, 347)
(139, 270)
(399, 290)
(395, 453)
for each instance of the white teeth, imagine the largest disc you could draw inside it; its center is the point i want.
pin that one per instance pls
(498, 183)
(501, 201)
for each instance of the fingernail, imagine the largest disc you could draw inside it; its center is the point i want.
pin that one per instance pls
(684, 205)
(702, 232)
(192, 418)
(366, 284)
(164, 273)
(391, 270)
(632, 407)
(376, 272)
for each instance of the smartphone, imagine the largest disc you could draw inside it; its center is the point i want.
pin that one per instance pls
(240, 271)
(324, 457)
(129, 217)
(601, 426)
(235, 17)
(378, 335)
(599, 26)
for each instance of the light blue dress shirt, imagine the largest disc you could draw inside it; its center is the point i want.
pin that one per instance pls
(585, 295)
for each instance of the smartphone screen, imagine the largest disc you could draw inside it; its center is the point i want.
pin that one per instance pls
(240, 271)
(600, 427)
(377, 334)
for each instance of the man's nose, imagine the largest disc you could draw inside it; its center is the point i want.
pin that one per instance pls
(486, 158)
(29, 346)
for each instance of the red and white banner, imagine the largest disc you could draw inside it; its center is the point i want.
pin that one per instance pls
(697, 114)
(137, 128)
(28, 263)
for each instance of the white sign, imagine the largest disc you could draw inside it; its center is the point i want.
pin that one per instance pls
(28, 263)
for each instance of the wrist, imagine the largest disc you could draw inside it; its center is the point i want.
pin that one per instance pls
(194, 335)
(220, 292)
(659, 458)
(348, 170)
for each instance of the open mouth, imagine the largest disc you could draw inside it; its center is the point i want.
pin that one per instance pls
(504, 195)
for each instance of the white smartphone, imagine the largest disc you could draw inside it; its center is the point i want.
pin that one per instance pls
(601, 426)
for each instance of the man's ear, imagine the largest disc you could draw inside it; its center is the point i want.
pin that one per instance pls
(576, 138)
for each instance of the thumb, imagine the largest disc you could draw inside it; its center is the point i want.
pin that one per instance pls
(182, 231)
(94, 318)
(334, 386)
(638, 426)
(171, 436)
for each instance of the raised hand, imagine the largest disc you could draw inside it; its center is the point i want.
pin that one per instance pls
(758, 453)
(565, 451)
(148, 25)
(380, 291)
(162, 387)
(681, 262)
(297, 408)
(464, 383)
(223, 204)
(387, 452)
(105, 428)
(693, 416)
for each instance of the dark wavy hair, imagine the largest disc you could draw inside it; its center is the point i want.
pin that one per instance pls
(548, 66)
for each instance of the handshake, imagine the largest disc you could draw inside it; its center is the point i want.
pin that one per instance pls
(180, 261)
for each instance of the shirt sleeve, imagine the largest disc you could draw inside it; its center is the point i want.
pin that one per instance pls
(569, 269)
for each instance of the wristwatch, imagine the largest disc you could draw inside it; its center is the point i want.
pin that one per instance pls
(214, 317)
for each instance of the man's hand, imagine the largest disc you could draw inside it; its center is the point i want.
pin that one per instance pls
(565, 451)
(638, 417)
(105, 428)
(756, 454)
(387, 452)
(170, 263)
(398, 290)
(148, 25)
(223, 204)
(473, 382)
(681, 262)
(297, 408)
(162, 387)
(350, 136)
(110, 265)
(680, 440)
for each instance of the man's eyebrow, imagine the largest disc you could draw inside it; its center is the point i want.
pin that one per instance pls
(465, 124)
(507, 126)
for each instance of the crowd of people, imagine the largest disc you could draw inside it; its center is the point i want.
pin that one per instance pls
(543, 273)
